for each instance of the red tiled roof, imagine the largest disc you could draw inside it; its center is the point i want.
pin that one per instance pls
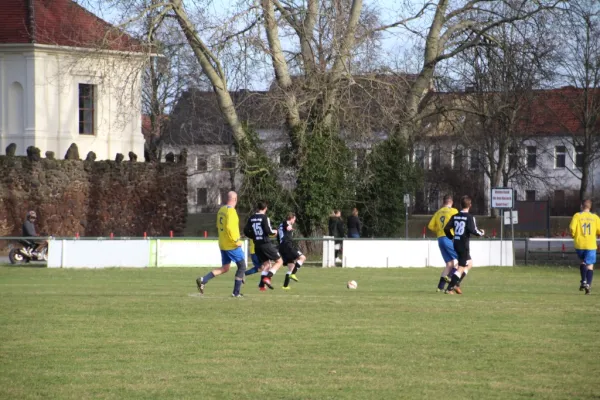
(558, 111)
(59, 22)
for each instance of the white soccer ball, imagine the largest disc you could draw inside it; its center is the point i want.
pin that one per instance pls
(352, 285)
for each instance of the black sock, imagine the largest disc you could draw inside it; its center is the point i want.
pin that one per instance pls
(296, 268)
(270, 275)
(453, 282)
(442, 283)
(286, 281)
(462, 277)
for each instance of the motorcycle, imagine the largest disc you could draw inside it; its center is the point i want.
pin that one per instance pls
(23, 252)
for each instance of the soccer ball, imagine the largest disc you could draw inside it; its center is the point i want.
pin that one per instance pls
(352, 285)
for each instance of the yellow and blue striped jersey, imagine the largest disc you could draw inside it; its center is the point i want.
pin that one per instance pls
(585, 227)
(440, 219)
(228, 225)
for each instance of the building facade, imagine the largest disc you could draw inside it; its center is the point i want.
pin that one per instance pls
(65, 79)
(542, 162)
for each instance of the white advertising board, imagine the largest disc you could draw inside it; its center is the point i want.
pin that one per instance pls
(419, 253)
(98, 253)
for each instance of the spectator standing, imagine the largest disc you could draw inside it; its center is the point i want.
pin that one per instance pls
(336, 229)
(354, 225)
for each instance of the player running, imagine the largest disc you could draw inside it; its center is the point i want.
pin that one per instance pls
(292, 257)
(464, 226)
(256, 264)
(585, 227)
(259, 229)
(228, 225)
(437, 224)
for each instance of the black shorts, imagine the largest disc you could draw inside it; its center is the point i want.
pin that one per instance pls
(267, 252)
(289, 253)
(463, 255)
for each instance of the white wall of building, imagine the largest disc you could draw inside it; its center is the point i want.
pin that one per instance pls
(39, 88)
(214, 178)
(547, 177)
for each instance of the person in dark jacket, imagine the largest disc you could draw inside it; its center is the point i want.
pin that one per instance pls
(336, 229)
(354, 225)
(29, 231)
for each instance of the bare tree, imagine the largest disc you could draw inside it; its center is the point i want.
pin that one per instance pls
(579, 61)
(454, 28)
(494, 117)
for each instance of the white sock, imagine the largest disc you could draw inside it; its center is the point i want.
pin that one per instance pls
(288, 273)
(264, 273)
(299, 262)
(466, 271)
(457, 274)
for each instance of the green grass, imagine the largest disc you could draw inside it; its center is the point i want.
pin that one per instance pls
(516, 333)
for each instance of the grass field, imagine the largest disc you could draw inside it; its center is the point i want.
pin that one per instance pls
(516, 333)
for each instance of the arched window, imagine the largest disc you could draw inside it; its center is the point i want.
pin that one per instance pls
(16, 111)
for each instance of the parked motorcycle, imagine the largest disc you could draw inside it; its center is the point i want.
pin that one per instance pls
(22, 252)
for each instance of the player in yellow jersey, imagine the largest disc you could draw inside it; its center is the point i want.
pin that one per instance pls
(585, 227)
(228, 226)
(437, 224)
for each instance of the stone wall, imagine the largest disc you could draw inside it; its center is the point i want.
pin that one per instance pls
(92, 198)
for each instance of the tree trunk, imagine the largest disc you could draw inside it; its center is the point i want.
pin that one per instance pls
(585, 173)
(340, 65)
(282, 75)
(423, 82)
(213, 72)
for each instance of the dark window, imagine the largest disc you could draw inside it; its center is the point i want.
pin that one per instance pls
(228, 162)
(531, 156)
(420, 158)
(513, 158)
(579, 156)
(435, 159)
(530, 195)
(201, 196)
(201, 164)
(86, 109)
(474, 160)
(560, 157)
(458, 159)
(223, 195)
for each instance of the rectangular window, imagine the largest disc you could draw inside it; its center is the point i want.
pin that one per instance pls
(86, 108)
(579, 156)
(474, 161)
(530, 195)
(420, 158)
(513, 158)
(560, 157)
(458, 159)
(228, 162)
(202, 196)
(223, 195)
(435, 159)
(201, 164)
(531, 156)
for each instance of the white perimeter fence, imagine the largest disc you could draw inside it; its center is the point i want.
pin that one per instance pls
(197, 252)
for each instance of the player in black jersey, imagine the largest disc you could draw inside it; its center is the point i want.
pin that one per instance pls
(292, 257)
(464, 226)
(258, 228)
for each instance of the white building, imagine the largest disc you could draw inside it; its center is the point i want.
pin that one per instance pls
(547, 153)
(66, 76)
